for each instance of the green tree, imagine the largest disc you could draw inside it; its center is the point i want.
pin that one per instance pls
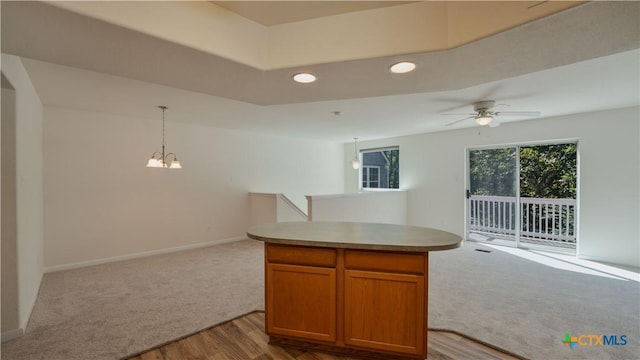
(493, 172)
(548, 171)
(393, 167)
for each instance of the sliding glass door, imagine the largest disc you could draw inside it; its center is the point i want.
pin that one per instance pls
(524, 196)
(492, 195)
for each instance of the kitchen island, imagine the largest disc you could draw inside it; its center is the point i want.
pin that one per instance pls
(355, 288)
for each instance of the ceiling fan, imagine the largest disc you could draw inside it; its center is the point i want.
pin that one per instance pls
(484, 115)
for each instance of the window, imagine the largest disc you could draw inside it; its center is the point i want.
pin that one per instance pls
(370, 176)
(380, 168)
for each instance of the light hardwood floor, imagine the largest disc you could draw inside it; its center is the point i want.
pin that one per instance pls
(244, 339)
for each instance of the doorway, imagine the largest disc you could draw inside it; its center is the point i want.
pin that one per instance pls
(524, 196)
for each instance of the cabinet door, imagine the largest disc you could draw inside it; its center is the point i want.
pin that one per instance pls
(301, 301)
(385, 311)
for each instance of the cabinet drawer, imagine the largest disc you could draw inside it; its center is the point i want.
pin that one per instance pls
(299, 255)
(383, 261)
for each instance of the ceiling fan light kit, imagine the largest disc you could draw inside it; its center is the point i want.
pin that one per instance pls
(483, 120)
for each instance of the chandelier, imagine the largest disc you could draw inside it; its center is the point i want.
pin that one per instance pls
(160, 159)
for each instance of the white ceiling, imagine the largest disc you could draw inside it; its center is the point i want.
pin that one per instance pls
(531, 68)
(281, 12)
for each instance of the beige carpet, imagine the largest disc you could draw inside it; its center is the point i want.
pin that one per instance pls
(114, 310)
(526, 307)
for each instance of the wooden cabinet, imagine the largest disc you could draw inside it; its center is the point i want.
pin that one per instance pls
(348, 300)
(385, 301)
(302, 302)
(301, 292)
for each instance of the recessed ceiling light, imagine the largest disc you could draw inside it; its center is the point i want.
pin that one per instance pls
(304, 78)
(402, 67)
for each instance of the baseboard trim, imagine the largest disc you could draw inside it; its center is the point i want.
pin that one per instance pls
(11, 334)
(140, 254)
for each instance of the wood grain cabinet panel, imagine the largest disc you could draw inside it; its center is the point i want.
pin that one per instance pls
(348, 300)
(385, 261)
(299, 255)
(385, 311)
(301, 301)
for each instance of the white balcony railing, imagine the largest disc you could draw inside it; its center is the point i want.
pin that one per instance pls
(550, 221)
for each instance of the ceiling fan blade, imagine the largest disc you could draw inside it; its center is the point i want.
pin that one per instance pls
(460, 114)
(517, 113)
(457, 121)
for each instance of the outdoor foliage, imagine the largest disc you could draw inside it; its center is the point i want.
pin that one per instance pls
(393, 167)
(546, 171)
(493, 172)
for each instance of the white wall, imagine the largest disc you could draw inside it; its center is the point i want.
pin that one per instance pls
(270, 208)
(432, 169)
(29, 193)
(101, 202)
(9, 223)
(287, 210)
(263, 208)
(387, 207)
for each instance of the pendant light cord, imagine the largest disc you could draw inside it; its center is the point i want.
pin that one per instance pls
(355, 147)
(163, 109)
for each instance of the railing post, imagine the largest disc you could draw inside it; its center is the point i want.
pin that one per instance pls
(518, 217)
